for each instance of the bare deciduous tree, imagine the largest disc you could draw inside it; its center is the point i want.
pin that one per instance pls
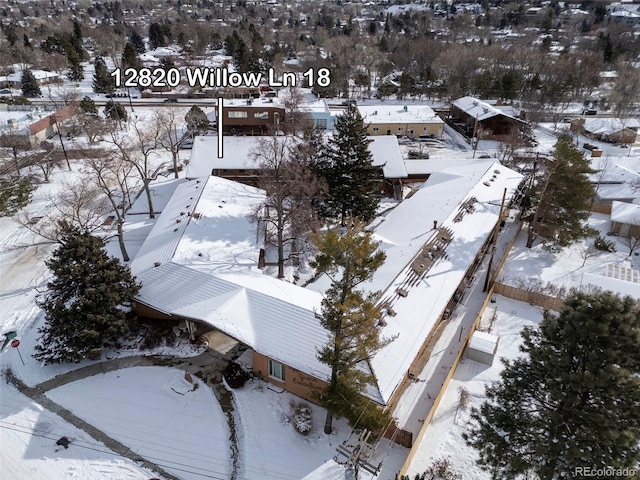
(287, 212)
(79, 202)
(463, 401)
(115, 178)
(296, 116)
(588, 251)
(13, 147)
(138, 149)
(167, 121)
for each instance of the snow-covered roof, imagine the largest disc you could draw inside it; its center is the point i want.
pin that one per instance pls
(608, 126)
(614, 181)
(398, 114)
(405, 231)
(250, 308)
(277, 319)
(623, 212)
(205, 267)
(206, 225)
(237, 155)
(474, 107)
(39, 74)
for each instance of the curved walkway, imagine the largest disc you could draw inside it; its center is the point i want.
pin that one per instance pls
(207, 366)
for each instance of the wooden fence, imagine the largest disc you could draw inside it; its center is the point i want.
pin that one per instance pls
(534, 298)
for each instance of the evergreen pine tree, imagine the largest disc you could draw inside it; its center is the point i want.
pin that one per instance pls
(88, 106)
(353, 182)
(564, 201)
(76, 72)
(352, 319)
(156, 35)
(572, 401)
(76, 40)
(115, 111)
(102, 80)
(137, 42)
(88, 301)
(197, 121)
(30, 86)
(130, 58)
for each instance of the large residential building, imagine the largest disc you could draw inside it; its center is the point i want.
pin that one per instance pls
(201, 264)
(408, 120)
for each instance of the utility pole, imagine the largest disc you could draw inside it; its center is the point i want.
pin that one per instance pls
(496, 230)
(474, 139)
(64, 150)
(358, 456)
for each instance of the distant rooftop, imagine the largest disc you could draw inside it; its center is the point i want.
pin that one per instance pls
(398, 114)
(238, 155)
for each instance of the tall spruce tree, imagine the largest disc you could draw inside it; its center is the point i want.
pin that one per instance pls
(76, 71)
(137, 42)
(572, 401)
(102, 81)
(130, 58)
(563, 201)
(30, 85)
(89, 299)
(353, 182)
(352, 319)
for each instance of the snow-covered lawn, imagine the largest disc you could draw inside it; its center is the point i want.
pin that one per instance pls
(155, 412)
(564, 268)
(28, 435)
(272, 449)
(443, 437)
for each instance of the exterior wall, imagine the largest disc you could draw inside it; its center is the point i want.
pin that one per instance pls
(258, 119)
(481, 357)
(303, 385)
(146, 311)
(45, 127)
(409, 129)
(625, 230)
(296, 382)
(623, 136)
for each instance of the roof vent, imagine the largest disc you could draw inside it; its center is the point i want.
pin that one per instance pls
(403, 293)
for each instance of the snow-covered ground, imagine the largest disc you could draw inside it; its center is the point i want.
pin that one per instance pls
(525, 267)
(275, 450)
(158, 414)
(443, 437)
(28, 435)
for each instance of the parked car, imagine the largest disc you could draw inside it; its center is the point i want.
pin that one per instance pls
(589, 112)
(170, 100)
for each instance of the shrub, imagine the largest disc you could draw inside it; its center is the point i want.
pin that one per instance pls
(302, 420)
(604, 244)
(234, 375)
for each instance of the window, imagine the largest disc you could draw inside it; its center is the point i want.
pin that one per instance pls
(237, 114)
(276, 370)
(426, 129)
(261, 115)
(321, 123)
(375, 129)
(400, 129)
